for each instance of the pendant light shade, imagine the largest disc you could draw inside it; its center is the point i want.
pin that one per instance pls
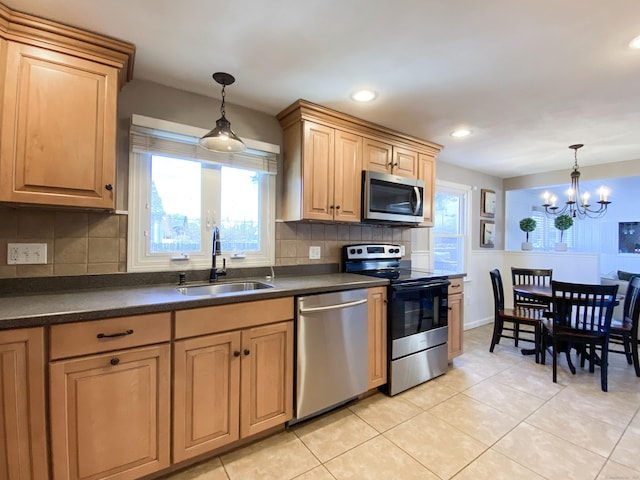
(222, 138)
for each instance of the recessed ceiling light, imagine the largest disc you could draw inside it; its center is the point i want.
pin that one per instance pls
(363, 95)
(635, 43)
(463, 132)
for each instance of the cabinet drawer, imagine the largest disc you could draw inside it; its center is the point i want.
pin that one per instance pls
(202, 321)
(457, 286)
(81, 338)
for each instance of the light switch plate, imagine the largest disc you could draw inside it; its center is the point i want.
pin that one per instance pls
(314, 253)
(26, 253)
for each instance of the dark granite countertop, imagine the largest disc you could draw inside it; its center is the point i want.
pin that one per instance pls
(35, 309)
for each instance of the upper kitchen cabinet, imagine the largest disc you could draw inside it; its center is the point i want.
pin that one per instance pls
(58, 106)
(383, 157)
(325, 153)
(427, 173)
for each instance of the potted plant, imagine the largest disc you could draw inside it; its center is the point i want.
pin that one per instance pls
(527, 225)
(562, 223)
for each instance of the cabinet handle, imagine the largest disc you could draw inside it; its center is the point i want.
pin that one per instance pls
(456, 286)
(111, 335)
(450, 308)
(114, 361)
(108, 186)
(236, 353)
(247, 351)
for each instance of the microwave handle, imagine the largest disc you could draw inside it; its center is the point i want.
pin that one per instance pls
(418, 203)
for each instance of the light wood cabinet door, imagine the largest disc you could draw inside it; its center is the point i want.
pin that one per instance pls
(405, 162)
(318, 172)
(456, 330)
(206, 394)
(58, 138)
(378, 155)
(110, 414)
(348, 177)
(266, 398)
(377, 312)
(427, 173)
(23, 447)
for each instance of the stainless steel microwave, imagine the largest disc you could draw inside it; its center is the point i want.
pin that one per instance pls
(391, 198)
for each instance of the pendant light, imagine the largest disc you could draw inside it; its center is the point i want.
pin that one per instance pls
(222, 138)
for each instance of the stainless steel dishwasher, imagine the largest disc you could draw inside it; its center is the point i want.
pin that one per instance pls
(331, 359)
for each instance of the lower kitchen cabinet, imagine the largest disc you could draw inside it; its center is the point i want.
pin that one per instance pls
(23, 448)
(456, 318)
(109, 412)
(233, 384)
(377, 330)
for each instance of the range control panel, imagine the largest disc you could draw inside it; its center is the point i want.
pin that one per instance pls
(373, 251)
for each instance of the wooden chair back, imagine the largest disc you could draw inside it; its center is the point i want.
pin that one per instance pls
(530, 276)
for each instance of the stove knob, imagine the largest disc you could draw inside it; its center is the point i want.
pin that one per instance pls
(352, 251)
(359, 250)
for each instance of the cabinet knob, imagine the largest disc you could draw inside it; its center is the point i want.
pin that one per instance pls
(337, 207)
(108, 186)
(114, 361)
(236, 353)
(331, 207)
(247, 351)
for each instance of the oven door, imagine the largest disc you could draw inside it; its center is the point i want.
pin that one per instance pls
(392, 198)
(417, 316)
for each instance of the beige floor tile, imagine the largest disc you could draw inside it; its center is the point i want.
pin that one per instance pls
(615, 471)
(318, 473)
(436, 444)
(616, 408)
(459, 379)
(475, 418)
(586, 432)
(378, 459)
(509, 400)
(383, 412)
(549, 455)
(492, 465)
(280, 457)
(428, 394)
(634, 426)
(334, 433)
(209, 470)
(627, 452)
(533, 379)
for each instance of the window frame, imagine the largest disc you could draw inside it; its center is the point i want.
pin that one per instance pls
(138, 258)
(464, 191)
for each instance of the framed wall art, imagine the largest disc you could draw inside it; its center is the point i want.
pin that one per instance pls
(487, 203)
(487, 233)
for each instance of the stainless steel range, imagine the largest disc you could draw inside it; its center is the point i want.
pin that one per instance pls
(417, 314)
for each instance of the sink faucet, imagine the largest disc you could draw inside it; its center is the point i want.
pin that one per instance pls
(215, 250)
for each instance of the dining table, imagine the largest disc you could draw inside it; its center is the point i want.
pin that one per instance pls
(545, 292)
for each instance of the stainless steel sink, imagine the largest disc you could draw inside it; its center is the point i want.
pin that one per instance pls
(219, 288)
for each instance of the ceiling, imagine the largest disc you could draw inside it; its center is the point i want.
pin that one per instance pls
(528, 78)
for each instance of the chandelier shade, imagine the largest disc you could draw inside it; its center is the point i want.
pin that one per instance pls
(577, 204)
(222, 138)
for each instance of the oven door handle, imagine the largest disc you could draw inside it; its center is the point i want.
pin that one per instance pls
(333, 307)
(419, 285)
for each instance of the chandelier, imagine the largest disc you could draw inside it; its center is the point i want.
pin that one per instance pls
(577, 204)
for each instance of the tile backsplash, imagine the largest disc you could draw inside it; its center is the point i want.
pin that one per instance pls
(80, 243)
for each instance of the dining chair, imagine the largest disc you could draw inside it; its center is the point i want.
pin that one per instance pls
(581, 318)
(529, 276)
(624, 331)
(517, 316)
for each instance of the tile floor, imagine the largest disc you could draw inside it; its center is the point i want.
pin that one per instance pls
(492, 416)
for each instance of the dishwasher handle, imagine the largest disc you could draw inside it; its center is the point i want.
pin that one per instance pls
(333, 307)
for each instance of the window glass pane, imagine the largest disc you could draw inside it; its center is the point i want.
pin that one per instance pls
(240, 210)
(447, 213)
(175, 205)
(447, 254)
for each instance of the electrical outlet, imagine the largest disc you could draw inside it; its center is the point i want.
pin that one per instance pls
(26, 253)
(314, 253)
